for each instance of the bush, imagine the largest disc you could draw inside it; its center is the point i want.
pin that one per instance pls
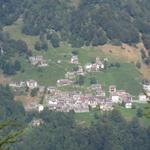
(17, 65)
(80, 80)
(138, 65)
(93, 80)
(55, 40)
(75, 52)
(34, 92)
(38, 46)
(139, 112)
(146, 39)
(117, 64)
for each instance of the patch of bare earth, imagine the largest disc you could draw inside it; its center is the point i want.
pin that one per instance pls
(124, 52)
(4, 80)
(129, 54)
(28, 101)
(145, 70)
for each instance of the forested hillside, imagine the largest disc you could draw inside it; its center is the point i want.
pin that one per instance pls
(10, 49)
(10, 10)
(9, 109)
(109, 133)
(93, 21)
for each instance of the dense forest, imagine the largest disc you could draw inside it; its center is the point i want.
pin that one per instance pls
(93, 22)
(89, 22)
(60, 131)
(10, 49)
(110, 132)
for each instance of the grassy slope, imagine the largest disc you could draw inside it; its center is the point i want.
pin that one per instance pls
(126, 77)
(129, 114)
(15, 33)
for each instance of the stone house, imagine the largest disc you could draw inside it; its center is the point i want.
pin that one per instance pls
(74, 60)
(38, 61)
(32, 84)
(143, 98)
(63, 82)
(80, 71)
(146, 87)
(51, 89)
(70, 75)
(128, 105)
(115, 98)
(88, 67)
(20, 84)
(107, 105)
(112, 89)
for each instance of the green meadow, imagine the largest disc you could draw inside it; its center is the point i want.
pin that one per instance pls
(125, 77)
(89, 117)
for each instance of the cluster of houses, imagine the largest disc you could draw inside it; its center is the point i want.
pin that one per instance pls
(94, 97)
(64, 82)
(120, 96)
(76, 101)
(70, 76)
(94, 67)
(38, 61)
(31, 84)
(97, 66)
(79, 102)
(90, 67)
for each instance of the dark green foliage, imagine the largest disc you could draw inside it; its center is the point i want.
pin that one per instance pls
(9, 49)
(109, 132)
(147, 60)
(9, 69)
(75, 52)
(93, 22)
(45, 45)
(75, 68)
(140, 113)
(146, 40)
(93, 80)
(143, 54)
(52, 15)
(4, 36)
(38, 45)
(8, 107)
(80, 80)
(117, 64)
(17, 65)
(99, 39)
(49, 35)
(21, 46)
(55, 40)
(138, 65)
(6, 141)
(10, 10)
(34, 92)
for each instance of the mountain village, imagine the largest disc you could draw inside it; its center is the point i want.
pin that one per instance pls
(94, 97)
